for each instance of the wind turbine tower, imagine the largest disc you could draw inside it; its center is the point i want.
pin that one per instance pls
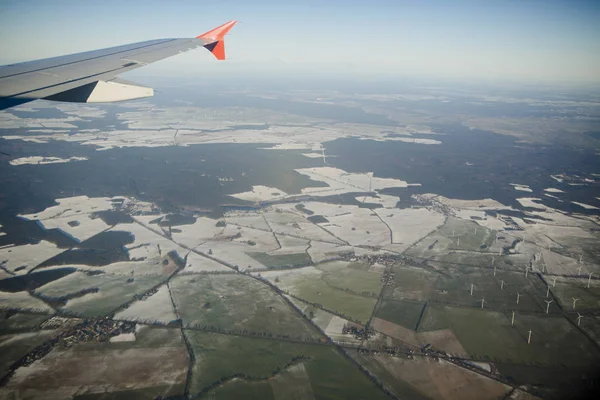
(574, 301)
(579, 316)
(472, 286)
(512, 321)
(482, 303)
(529, 337)
(589, 280)
(518, 296)
(501, 284)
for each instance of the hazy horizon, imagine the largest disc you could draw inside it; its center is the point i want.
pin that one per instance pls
(546, 42)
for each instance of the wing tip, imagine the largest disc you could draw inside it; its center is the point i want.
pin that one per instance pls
(219, 32)
(216, 38)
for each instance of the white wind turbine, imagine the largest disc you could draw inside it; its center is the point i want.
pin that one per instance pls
(548, 305)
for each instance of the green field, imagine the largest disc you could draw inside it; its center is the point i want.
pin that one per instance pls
(351, 276)
(19, 322)
(237, 303)
(13, 347)
(314, 290)
(283, 260)
(489, 333)
(568, 288)
(458, 259)
(403, 313)
(239, 389)
(344, 288)
(411, 283)
(330, 375)
(455, 234)
(590, 324)
(455, 289)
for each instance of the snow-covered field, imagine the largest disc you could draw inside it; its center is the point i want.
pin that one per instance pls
(44, 160)
(12, 258)
(156, 308)
(586, 206)
(522, 188)
(410, 224)
(261, 193)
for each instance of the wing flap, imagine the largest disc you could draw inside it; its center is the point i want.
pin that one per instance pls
(103, 92)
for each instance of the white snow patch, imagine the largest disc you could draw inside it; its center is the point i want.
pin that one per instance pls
(22, 300)
(197, 263)
(27, 255)
(123, 337)
(522, 188)
(586, 206)
(531, 202)
(72, 206)
(553, 190)
(147, 244)
(156, 308)
(552, 196)
(44, 160)
(260, 193)
(314, 155)
(410, 224)
(340, 181)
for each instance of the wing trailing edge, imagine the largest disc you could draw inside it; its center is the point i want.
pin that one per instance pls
(103, 92)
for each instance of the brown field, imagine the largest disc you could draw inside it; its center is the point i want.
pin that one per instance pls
(103, 368)
(442, 380)
(442, 339)
(395, 331)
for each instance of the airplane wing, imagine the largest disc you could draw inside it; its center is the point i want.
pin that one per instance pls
(90, 77)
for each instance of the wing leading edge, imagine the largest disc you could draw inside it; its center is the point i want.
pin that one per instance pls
(90, 77)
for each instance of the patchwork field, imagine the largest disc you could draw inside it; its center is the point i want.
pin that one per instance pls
(341, 287)
(425, 378)
(489, 334)
(315, 369)
(154, 365)
(236, 303)
(105, 293)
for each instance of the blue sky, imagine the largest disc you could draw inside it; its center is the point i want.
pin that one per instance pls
(547, 40)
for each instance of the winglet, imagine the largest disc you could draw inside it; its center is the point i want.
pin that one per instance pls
(217, 36)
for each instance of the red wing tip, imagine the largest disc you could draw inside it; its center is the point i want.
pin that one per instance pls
(219, 32)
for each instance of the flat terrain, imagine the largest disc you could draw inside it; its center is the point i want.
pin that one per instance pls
(155, 364)
(238, 304)
(324, 372)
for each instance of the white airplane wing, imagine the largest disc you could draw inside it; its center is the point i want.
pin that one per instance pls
(90, 77)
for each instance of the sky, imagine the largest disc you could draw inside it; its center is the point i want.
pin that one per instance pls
(536, 40)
